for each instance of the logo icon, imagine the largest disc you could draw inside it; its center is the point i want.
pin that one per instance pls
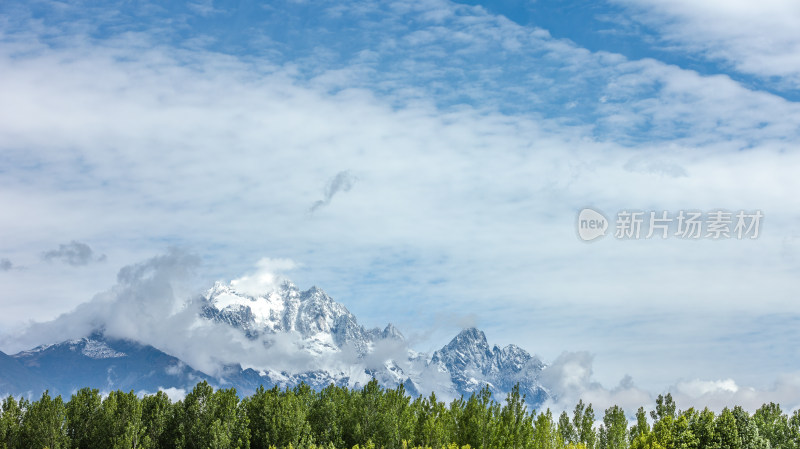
(591, 225)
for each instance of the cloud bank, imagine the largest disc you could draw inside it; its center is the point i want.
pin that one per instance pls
(570, 379)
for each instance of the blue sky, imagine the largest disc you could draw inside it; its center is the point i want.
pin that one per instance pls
(424, 163)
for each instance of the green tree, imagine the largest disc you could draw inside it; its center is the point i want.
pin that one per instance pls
(83, 411)
(397, 419)
(662, 435)
(327, 415)
(641, 428)
(646, 441)
(368, 412)
(44, 424)
(277, 418)
(11, 422)
(369, 418)
(213, 420)
(702, 427)
(475, 421)
(614, 431)
(120, 421)
(515, 426)
(773, 425)
(794, 430)
(156, 412)
(545, 432)
(726, 436)
(665, 406)
(583, 420)
(433, 427)
(194, 421)
(748, 431)
(682, 435)
(566, 429)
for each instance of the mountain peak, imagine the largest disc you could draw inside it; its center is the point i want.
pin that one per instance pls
(468, 350)
(287, 285)
(471, 335)
(317, 294)
(391, 332)
(323, 324)
(472, 363)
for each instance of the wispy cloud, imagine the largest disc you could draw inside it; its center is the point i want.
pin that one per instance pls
(204, 7)
(6, 265)
(74, 253)
(757, 38)
(342, 182)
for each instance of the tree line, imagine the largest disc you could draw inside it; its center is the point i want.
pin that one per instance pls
(369, 418)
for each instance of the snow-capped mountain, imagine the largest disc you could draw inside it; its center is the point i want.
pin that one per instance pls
(327, 326)
(324, 324)
(321, 327)
(341, 351)
(472, 364)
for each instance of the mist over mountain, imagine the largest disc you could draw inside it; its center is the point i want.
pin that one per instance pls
(260, 329)
(154, 330)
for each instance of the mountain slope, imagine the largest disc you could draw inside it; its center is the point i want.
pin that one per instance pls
(105, 364)
(15, 378)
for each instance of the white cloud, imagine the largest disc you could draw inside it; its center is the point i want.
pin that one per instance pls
(266, 278)
(757, 38)
(460, 209)
(718, 394)
(174, 394)
(699, 387)
(569, 377)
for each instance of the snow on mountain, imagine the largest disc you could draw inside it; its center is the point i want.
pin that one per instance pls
(473, 364)
(320, 330)
(98, 349)
(325, 326)
(92, 347)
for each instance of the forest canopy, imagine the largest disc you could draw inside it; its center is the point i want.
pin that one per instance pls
(372, 417)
